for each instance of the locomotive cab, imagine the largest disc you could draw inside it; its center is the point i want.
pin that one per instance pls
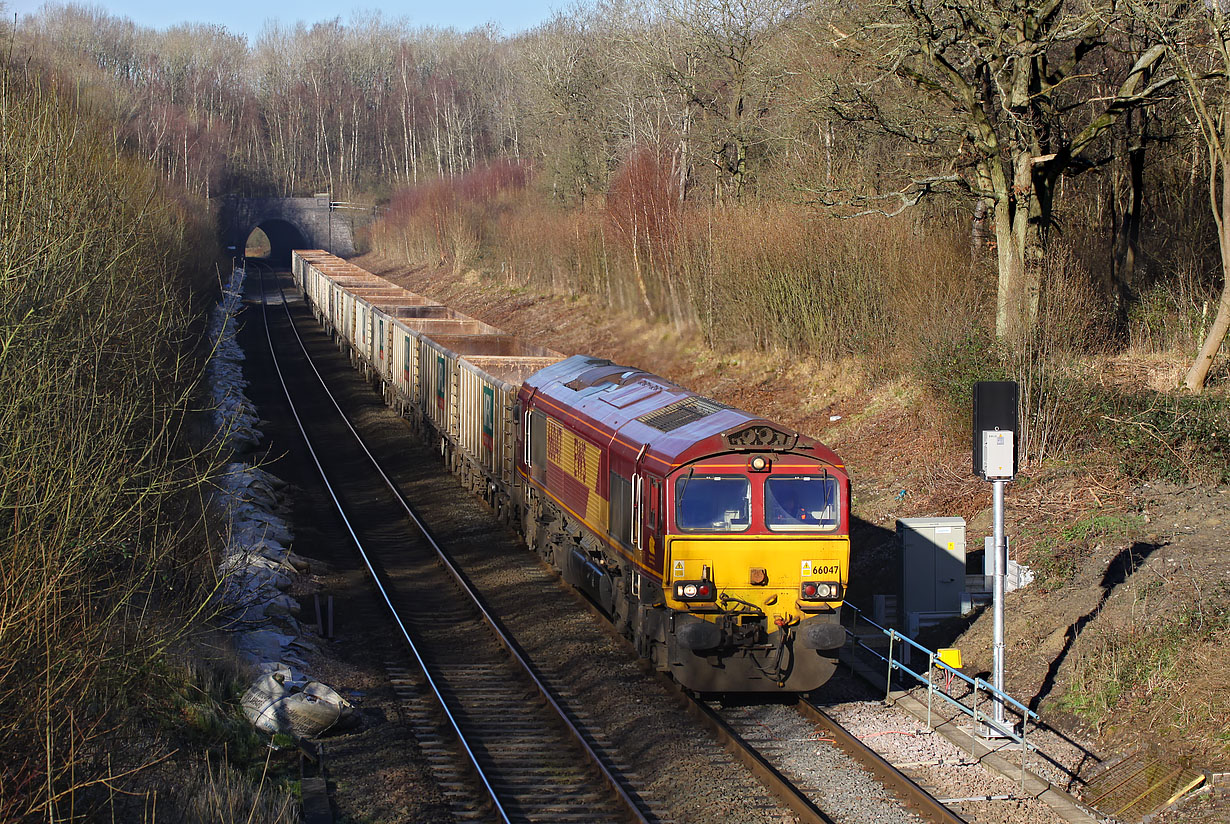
(758, 553)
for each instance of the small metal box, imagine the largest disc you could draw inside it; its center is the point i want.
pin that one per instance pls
(997, 454)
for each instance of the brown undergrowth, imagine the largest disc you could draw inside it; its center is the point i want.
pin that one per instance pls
(1107, 590)
(104, 559)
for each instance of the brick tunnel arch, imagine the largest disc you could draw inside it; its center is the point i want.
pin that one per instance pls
(284, 237)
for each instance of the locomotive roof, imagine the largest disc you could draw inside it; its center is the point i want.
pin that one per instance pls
(677, 424)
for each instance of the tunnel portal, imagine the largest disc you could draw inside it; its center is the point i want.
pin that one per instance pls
(289, 222)
(284, 237)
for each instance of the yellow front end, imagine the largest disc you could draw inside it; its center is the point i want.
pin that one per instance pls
(766, 571)
(762, 628)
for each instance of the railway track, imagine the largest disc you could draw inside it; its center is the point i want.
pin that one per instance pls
(524, 757)
(516, 751)
(917, 797)
(820, 770)
(815, 767)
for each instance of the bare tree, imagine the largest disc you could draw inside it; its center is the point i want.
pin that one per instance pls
(1197, 39)
(717, 58)
(565, 104)
(1003, 80)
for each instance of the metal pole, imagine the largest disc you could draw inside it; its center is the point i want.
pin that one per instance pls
(997, 645)
(888, 689)
(930, 684)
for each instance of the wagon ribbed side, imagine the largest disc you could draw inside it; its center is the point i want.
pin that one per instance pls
(488, 386)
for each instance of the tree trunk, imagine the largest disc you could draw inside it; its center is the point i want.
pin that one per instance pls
(1126, 240)
(1011, 264)
(1020, 213)
(1199, 373)
(979, 237)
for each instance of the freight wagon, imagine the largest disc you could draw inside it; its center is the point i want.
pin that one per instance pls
(717, 541)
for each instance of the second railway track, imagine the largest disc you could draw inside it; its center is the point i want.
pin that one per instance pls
(834, 772)
(524, 750)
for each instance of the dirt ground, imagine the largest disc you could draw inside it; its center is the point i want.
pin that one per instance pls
(1137, 573)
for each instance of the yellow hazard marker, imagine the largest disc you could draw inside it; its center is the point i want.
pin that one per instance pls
(950, 656)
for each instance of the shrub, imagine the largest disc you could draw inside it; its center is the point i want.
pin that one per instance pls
(1165, 665)
(1172, 315)
(1173, 436)
(759, 275)
(951, 369)
(99, 269)
(445, 220)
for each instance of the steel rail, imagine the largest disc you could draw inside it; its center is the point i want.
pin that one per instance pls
(486, 782)
(502, 636)
(781, 786)
(926, 804)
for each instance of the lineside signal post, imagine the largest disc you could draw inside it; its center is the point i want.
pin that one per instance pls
(995, 459)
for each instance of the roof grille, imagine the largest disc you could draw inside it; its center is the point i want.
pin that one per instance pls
(682, 412)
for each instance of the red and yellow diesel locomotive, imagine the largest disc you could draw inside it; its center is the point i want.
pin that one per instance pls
(716, 540)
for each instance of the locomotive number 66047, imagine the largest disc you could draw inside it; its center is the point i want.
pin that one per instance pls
(716, 540)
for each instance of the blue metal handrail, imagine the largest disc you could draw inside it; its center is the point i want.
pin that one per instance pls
(977, 686)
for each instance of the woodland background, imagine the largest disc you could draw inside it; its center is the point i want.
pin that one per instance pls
(921, 192)
(700, 160)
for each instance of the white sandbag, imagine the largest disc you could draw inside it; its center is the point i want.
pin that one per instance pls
(278, 702)
(262, 645)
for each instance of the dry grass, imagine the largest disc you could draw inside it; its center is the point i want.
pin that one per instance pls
(97, 319)
(214, 793)
(763, 276)
(1162, 671)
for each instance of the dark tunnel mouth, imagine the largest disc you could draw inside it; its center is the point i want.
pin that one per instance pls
(284, 237)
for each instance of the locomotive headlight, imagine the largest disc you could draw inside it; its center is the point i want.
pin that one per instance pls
(758, 463)
(819, 591)
(695, 591)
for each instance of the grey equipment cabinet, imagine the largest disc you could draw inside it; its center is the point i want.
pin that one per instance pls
(932, 564)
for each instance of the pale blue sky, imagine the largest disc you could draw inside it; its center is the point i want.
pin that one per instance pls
(248, 16)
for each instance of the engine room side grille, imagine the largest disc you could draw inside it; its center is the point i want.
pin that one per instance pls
(682, 412)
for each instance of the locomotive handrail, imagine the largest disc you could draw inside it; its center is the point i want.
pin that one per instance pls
(982, 720)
